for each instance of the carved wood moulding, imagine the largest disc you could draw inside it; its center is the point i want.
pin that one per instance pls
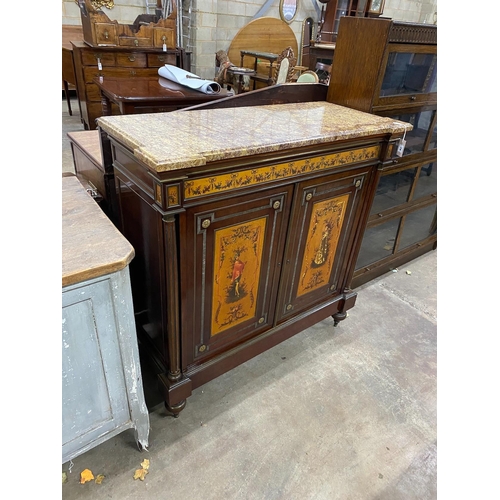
(413, 33)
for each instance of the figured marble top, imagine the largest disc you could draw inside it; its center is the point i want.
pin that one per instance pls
(183, 139)
(91, 244)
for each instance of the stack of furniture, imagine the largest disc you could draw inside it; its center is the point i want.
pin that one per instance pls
(148, 30)
(258, 45)
(389, 68)
(102, 392)
(321, 51)
(333, 10)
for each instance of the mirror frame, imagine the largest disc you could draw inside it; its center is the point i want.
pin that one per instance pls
(376, 10)
(282, 13)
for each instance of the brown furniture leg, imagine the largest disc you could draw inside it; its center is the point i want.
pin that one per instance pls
(66, 93)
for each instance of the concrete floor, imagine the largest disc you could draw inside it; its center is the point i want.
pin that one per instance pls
(345, 413)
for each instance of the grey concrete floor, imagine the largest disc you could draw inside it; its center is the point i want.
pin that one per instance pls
(345, 413)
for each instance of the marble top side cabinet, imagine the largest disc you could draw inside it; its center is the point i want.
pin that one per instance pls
(242, 239)
(102, 392)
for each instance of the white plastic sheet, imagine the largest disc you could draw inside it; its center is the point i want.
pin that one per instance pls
(188, 79)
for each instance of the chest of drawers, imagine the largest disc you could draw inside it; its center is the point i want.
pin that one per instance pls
(122, 62)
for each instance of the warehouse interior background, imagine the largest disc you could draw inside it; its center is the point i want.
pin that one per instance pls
(468, 368)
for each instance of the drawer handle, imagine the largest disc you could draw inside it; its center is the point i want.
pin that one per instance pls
(106, 35)
(92, 190)
(131, 58)
(136, 43)
(412, 98)
(162, 58)
(133, 72)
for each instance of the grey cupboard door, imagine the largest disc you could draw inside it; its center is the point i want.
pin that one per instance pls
(94, 393)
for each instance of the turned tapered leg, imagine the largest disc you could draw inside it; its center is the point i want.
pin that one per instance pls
(338, 317)
(176, 409)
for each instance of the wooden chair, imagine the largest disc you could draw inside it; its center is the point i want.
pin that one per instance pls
(308, 77)
(230, 75)
(285, 67)
(323, 71)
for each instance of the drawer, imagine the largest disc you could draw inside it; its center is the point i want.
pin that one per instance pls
(158, 60)
(91, 73)
(105, 33)
(132, 41)
(89, 171)
(132, 60)
(93, 92)
(89, 58)
(94, 110)
(404, 101)
(163, 35)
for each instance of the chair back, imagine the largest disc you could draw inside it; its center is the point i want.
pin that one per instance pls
(285, 66)
(308, 77)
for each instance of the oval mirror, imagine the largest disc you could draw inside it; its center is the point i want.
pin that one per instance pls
(288, 10)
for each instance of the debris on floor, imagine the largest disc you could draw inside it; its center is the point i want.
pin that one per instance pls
(86, 475)
(141, 473)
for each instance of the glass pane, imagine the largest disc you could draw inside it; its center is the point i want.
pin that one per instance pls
(427, 181)
(341, 11)
(378, 243)
(392, 190)
(415, 138)
(418, 226)
(409, 73)
(360, 9)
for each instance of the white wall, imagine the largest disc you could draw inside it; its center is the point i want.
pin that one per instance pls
(124, 11)
(415, 11)
(212, 24)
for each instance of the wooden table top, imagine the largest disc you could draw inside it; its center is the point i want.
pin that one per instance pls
(151, 89)
(91, 244)
(263, 55)
(89, 141)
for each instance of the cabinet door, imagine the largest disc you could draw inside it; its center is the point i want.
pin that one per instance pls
(230, 260)
(94, 393)
(409, 78)
(324, 218)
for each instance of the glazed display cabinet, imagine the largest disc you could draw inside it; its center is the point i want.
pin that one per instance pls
(393, 74)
